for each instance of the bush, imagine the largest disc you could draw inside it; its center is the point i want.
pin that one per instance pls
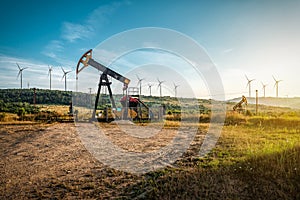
(21, 113)
(204, 118)
(2, 117)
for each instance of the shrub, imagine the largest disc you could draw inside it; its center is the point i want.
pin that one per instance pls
(21, 113)
(2, 117)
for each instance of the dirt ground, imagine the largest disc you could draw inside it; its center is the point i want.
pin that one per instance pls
(50, 161)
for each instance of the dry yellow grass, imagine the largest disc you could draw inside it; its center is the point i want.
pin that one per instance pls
(60, 109)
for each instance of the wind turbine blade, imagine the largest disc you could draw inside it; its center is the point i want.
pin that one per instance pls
(63, 70)
(18, 66)
(246, 77)
(137, 77)
(24, 68)
(274, 78)
(159, 84)
(19, 74)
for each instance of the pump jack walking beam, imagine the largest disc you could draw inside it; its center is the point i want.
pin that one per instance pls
(87, 60)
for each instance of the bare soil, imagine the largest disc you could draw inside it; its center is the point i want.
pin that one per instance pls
(41, 161)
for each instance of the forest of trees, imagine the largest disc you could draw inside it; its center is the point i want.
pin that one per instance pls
(42, 96)
(21, 101)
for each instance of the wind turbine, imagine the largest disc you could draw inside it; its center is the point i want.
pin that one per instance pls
(65, 76)
(49, 74)
(276, 84)
(249, 84)
(264, 88)
(21, 73)
(175, 89)
(140, 83)
(159, 85)
(149, 87)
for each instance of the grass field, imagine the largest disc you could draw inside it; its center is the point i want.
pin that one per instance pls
(259, 159)
(256, 157)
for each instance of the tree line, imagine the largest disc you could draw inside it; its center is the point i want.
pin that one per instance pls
(12, 100)
(41, 96)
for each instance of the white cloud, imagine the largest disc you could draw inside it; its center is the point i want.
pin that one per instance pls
(53, 48)
(96, 19)
(72, 32)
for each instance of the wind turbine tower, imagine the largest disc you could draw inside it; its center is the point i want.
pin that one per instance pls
(264, 88)
(276, 84)
(21, 73)
(140, 83)
(249, 84)
(159, 85)
(175, 89)
(49, 74)
(149, 87)
(65, 76)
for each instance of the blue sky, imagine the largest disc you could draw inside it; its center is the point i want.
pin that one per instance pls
(256, 38)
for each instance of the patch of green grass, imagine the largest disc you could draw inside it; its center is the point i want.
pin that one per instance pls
(256, 159)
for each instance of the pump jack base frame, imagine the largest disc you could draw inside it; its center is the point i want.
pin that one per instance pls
(103, 82)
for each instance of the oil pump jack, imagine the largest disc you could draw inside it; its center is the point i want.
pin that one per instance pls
(238, 107)
(86, 60)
